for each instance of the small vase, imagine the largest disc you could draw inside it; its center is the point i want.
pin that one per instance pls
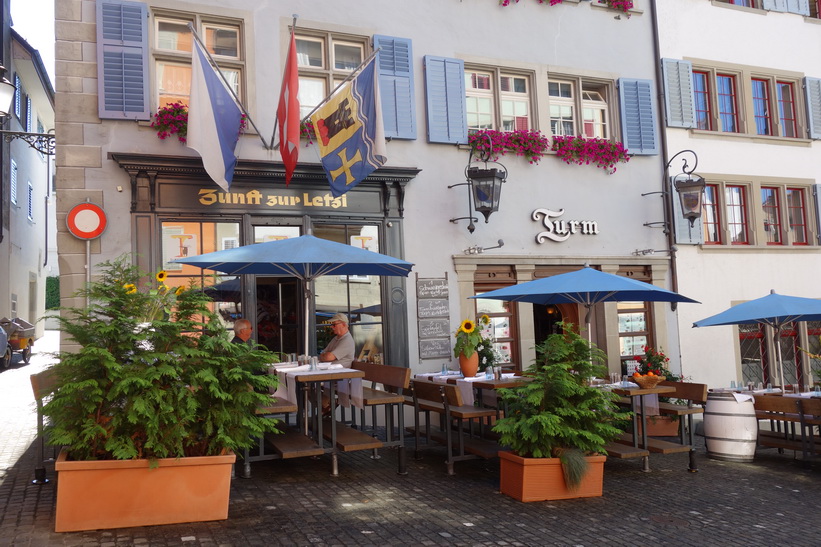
(469, 365)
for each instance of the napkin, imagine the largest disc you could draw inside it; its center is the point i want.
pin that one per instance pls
(651, 404)
(349, 391)
(466, 389)
(741, 397)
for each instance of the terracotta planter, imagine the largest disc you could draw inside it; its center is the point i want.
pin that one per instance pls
(661, 426)
(104, 494)
(540, 479)
(469, 365)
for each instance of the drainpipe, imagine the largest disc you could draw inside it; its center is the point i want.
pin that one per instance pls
(666, 191)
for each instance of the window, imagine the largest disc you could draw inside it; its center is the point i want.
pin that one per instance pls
(736, 206)
(28, 125)
(501, 328)
(325, 60)
(711, 218)
(569, 97)
(727, 103)
(18, 98)
(718, 99)
(30, 210)
(786, 109)
(781, 218)
(496, 100)
(772, 215)
(634, 332)
(173, 47)
(761, 107)
(701, 91)
(797, 216)
(13, 183)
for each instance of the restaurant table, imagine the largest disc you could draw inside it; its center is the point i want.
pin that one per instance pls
(641, 393)
(305, 380)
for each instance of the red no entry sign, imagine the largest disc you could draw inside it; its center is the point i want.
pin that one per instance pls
(86, 221)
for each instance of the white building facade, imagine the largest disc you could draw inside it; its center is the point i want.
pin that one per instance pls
(753, 115)
(445, 69)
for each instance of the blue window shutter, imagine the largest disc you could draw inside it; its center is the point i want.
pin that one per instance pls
(446, 104)
(122, 60)
(638, 116)
(812, 94)
(18, 104)
(678, 93)
(395, 64)
(801, 7)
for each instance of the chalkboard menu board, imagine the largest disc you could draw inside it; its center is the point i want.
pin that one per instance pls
(433, 316)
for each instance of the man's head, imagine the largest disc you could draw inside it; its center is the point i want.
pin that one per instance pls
(242, 328)
(339, 324)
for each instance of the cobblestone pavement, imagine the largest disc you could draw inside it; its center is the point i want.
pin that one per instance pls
(773, 500)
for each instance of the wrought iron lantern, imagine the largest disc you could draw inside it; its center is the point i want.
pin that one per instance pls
(485, 184)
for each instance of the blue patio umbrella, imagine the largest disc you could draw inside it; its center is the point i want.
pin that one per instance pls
(775, 310)
(306, 257)
(586, 287)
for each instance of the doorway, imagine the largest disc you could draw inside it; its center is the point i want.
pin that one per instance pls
(278, 313)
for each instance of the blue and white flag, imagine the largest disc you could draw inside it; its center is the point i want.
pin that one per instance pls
(349, 132)
(214, 120)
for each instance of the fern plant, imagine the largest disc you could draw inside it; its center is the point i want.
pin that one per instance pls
(173, 387)
(557, 414)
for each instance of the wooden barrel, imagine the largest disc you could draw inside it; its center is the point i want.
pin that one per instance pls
(730, 428)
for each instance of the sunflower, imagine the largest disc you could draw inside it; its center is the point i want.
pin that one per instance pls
(179, 290)
(468, 326)
(485, 319)
(130, 288)
(163, 288)
(161, 275)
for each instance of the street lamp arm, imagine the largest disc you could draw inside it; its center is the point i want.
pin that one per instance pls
(684, 160)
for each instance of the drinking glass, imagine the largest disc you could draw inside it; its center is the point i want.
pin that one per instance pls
(444, 369)
(760, 386)
(732, 385)
(817, 390)
(769, 387)
(625, 380)
(614, 378)
(489, 373)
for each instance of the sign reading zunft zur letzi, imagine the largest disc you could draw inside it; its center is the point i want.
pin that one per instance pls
(433, 317)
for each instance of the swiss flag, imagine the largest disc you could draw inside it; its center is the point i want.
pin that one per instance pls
(288, 113)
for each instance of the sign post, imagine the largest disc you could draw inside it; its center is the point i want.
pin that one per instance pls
(87, 221)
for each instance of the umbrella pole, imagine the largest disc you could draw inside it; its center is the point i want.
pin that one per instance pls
(777, 342)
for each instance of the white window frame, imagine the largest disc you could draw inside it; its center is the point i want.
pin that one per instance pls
(30, 211)
(327, 74)
(178, 57)
(497, 97)
(582, 91)
(13, 183)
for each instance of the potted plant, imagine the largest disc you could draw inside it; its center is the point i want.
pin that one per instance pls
(556, 424)
(468, 337)
(150, 405)
(656, 362)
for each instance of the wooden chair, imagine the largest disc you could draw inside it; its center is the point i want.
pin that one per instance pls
(783, 414)
(42, 384)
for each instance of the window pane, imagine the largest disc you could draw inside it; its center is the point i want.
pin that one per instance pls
(309, 53)
(736, 214)
(772, 223)
(797, 216)
(311, 92)
(174, 82)
(786, 109)
(347, 56)
(222, 41)
(702, 99)
(727, 103)
(710, 215)
(761, 107)
(174, 35)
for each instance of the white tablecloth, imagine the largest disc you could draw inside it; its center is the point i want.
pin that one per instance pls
(349, 389)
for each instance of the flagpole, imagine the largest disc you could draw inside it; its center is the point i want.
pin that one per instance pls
(343, 82)
(228, 85)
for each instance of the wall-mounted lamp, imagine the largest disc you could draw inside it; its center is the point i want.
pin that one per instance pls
(485, 185)
(42, 142)
(477, 250)
(689, 186)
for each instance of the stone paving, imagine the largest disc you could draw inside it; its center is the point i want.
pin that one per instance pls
(774, 500)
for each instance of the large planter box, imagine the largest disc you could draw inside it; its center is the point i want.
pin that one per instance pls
(94, 495)
(541, 479)
(661, 426)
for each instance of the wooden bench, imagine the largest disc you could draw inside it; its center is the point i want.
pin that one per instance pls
(792, 422)
(695, 396)
(445, 400)
(395, 382)
(288, 444)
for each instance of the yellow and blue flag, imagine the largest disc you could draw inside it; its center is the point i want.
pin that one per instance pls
(349, 132)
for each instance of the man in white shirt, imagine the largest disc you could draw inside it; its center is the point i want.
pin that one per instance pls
(341, 348)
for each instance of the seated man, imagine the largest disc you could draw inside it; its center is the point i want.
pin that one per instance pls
(242, 331)
(341, 348)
